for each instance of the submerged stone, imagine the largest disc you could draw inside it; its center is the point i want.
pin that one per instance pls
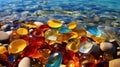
(54, 60)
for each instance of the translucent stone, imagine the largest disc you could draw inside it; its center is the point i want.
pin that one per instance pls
(3, 35)
(54, 23)
(71, 63)
(22, 31)
(51, 34)
(2, 49)
(25, 62)
(72, 25)
(98, 39)
(4, 60)
(73, 45)
(94, 30)
(32, 51)
(85, 47)
(87, 60)
(30, 25)
(64, 29)
(17, 46)
(73, 34)
(45, 55)
(14, 36)
(54, 60)
(80, 32)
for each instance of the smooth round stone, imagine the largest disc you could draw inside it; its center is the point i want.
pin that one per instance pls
(17, 46)
(22, 31)
(54, 60)
(94, 30)
(85, 47)
(38, 23)
(72, 25)
(73, 45)
(51, 34)
(106, 46)
(3, 35)
(25, 62)
(64, 29)
(2, 49)
(54, 23)
(114, 63)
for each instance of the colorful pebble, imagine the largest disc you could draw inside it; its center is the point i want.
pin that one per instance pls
(17, 45)
(54, 23)
(54, 60)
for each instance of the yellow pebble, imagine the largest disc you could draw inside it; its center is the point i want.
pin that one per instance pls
(17, 45)
(98, 39)
(73, 34)
(81, 32)
(73, 45)
(72, 25)
(22, 31)
(30, 25)
(54, 23)
(2, 49)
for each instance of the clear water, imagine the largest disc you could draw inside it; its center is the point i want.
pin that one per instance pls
(66, 10)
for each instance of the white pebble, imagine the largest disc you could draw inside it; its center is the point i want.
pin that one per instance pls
(114, 63)
(104, 46)
(38, 23)
(3, 35)
(25, 62)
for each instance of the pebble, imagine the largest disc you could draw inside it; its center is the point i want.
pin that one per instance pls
(17, 46)
(106, 46)
(3, 35)
(54, 60)
(25, 62)
(114, 63)
(54, 23)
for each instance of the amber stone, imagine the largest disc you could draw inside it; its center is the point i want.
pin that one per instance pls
(73, 44)
(14, 36)
(30, 25)
(22, 31)
(72, 25)
(4, 60)
(32, 51)
(71, 63)
(2, 49)
(17, 46)
(81, 32)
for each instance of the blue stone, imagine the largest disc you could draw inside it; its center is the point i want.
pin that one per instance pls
(94, 30)
(11, 59)
(54, 60)
(64, 29)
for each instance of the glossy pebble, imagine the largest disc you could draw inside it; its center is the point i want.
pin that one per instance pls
(73, 45)
(51, 34)
(54, 60)
(94, 30)
(17, 46)
(2, 49)
(25, 62)
(85, 47)
(106, 46)
(3, 35)
(64, 29)
(22, 31)
(72, 25)
(54, 23)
